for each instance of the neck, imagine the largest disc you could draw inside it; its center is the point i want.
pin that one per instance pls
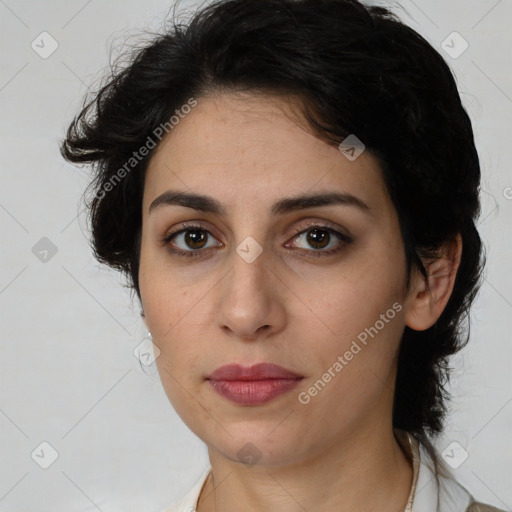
(367, 471)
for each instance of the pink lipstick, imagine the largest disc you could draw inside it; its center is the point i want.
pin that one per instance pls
(254, 385)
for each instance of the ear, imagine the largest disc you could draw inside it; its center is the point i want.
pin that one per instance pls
(428, 298)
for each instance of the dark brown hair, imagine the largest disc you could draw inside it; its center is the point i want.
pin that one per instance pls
(358, 70)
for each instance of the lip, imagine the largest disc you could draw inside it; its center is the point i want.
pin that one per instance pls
(260, 371)
(253, 385)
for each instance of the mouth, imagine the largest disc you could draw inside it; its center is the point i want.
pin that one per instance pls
(254, 385)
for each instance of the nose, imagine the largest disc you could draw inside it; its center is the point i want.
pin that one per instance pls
(250, 300)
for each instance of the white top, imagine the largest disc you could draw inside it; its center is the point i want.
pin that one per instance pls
(427, 494)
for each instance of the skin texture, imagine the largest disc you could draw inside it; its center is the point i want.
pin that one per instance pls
(290, 307)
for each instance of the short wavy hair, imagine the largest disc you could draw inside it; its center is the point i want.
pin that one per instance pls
(357, 69)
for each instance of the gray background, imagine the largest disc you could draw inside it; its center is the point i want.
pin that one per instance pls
(69, 328)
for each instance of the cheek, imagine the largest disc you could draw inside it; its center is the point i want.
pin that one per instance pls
(161, 297)
(172, 311)
(176, 375)
(357, 300)
(180, 353)
(360, 308)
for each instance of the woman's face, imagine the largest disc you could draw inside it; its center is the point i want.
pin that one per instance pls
(314, 288)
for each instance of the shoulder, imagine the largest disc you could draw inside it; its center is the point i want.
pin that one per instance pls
(453, 494)
(436, 487)
(188, 502)
(477, 506)
(455, 497)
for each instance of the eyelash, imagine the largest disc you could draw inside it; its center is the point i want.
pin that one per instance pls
(344, 239)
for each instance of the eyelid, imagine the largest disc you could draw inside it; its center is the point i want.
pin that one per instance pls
(185, 226)
(340, 233)
(303, 227)
(325, 224)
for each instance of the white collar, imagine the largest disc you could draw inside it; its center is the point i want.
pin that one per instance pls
(428, 492)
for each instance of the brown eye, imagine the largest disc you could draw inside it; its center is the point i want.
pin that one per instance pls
(320, 237)
(189, 241)
(195, 238)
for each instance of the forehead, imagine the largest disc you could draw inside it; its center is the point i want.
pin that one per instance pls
(253, 147)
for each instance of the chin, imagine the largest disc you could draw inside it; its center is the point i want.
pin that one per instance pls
(253, 447)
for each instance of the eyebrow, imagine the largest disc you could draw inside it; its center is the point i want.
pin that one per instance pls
(208, 204)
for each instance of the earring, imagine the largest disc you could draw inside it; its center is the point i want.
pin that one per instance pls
(144, 316)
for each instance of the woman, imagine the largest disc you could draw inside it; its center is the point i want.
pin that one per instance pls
(291, 187)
